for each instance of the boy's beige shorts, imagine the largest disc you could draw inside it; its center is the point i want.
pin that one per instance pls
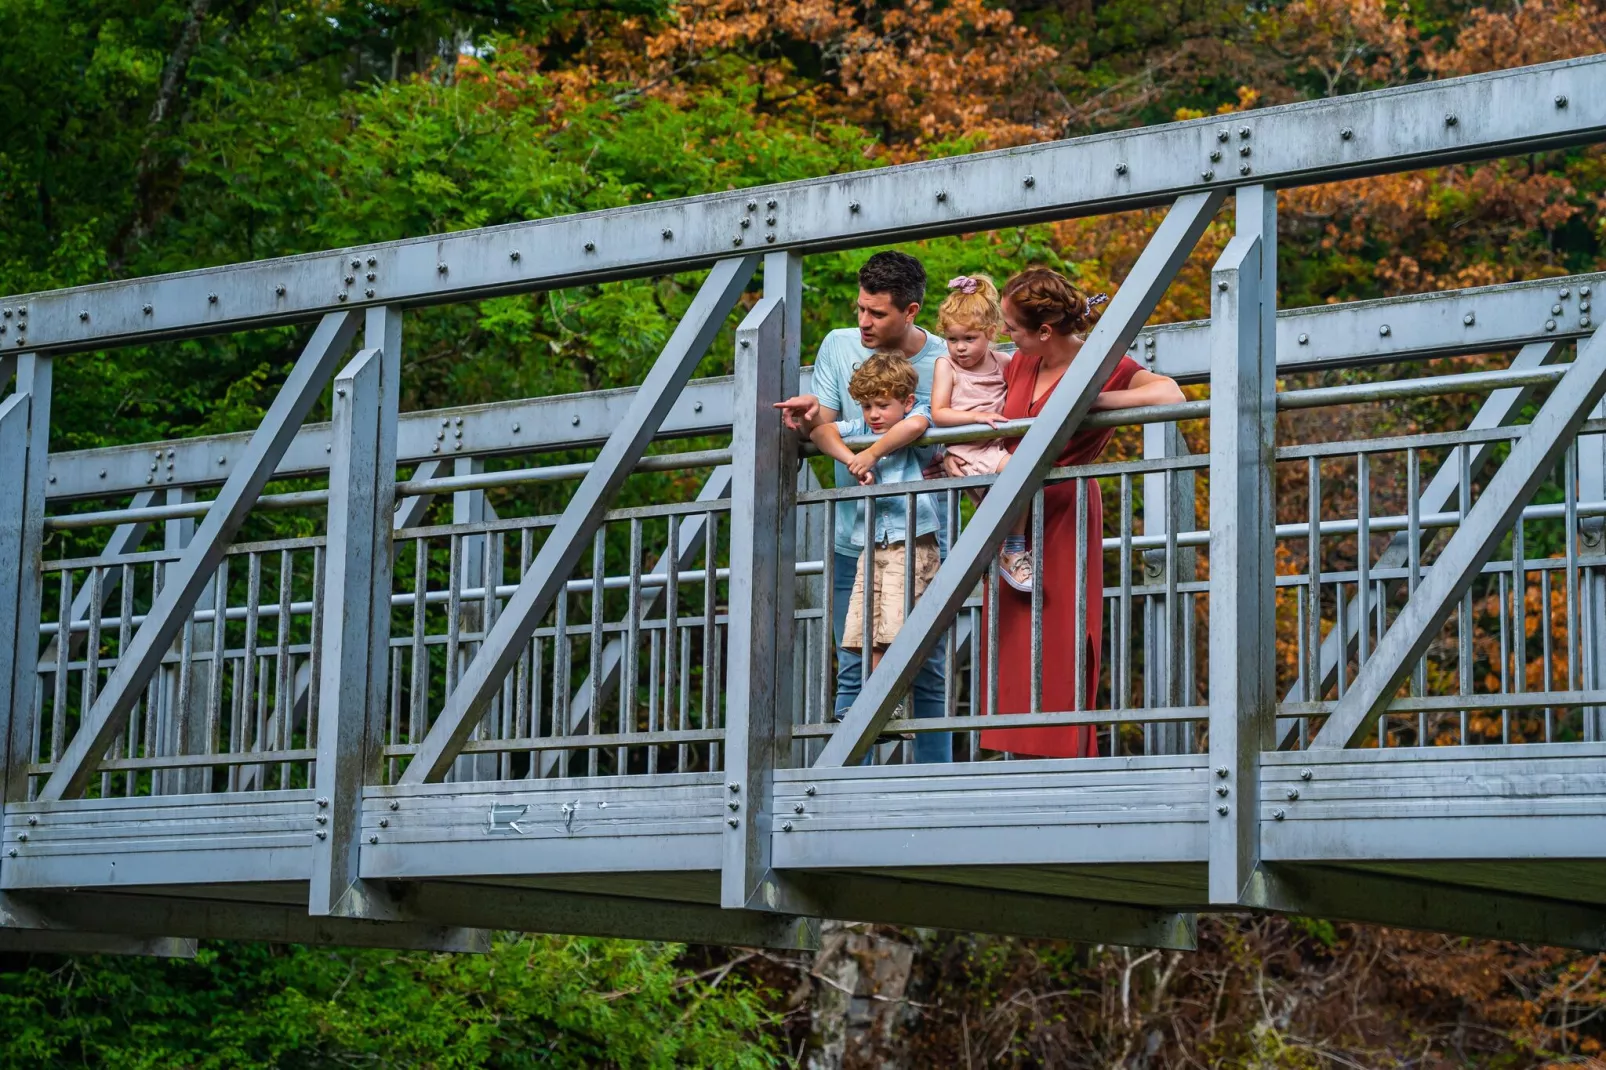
(886, 600)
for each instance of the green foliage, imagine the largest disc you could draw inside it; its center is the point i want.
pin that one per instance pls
(532, 1001)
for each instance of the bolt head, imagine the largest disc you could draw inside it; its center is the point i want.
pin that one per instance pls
(786, 827)
(23, 836)
(368, 293)
(355, 263)
(440, 268)
(1221, 771)
(1305, 774)
(1469, 319)
(515, 429)
(372, 260)
(1029, 181)
(83, 314)
(752, 206)
(1222, 135)
(1244, 150)
(33, 819)
(1278, 815)
(1207, 175)
(279, 290)
(1550, 325)
(1583, 321)
(1244, 169)
(1583, 291)
(1347, 134)
(1452, 119)
(323, 802)
(1243, 131)
(1223, 810)
(514, 256)
(575, 420)
(1222, 791)
(1292, 793)
(1385, 330)
(373, 839)
(942, 195)
(211, 299)
(12, 852)
(854, 207)
(370, 276)
(1222, 285)
(1120, 168)
(810, 790)
(769, 239)
(732, 822)
(668, 234)
(770, 203)
(341, 296)
(734, 786)
(733, 806)
(1561, 100)
(395, 805)
(736, 240)
(1215, 155)
(321, 834)
(1304, 339)
(591, 246)
(797, 808)
(1555, 310)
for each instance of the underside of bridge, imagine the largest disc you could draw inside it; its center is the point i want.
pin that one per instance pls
(423, 720)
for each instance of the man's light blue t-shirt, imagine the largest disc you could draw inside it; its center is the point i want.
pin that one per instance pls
(891, 513)
(839, 356)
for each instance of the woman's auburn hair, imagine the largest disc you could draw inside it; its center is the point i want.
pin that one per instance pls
(1042, 297)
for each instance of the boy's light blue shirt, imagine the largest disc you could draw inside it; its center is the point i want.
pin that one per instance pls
(839, 356)
(891, 514)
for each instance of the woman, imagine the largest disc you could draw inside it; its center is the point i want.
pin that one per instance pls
(1048, 319)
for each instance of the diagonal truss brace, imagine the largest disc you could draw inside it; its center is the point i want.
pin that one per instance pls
(1458, 565)
(570, 539)
(689, 544)
(193, 571)
(1500, 409)
(1158, 264)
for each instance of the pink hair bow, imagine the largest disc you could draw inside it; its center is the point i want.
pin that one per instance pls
(963, 283)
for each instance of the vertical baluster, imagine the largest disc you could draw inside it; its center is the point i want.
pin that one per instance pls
(908, 593)
(561, 675)
(58, 702)
(1363, 556)
(683, 698)
(599, 566)
(1341, 628)
(671, 624)
(1573, 615)
(315, 659)
(828, 613)
(186, 687)
(537, 684)
(1082, 535)
(1313, 548)
(524, 727)
(1037, 604)
(654, 675)
(248, 662)
(1545, 653)
(991, 665)
(1504, 618)
(418, 686)
(1519, 610)
(1464, 646)
(1123, 686)
(393, 729)
(153, 695)
(97, 605)
(1173, 602)
(950, 643)
(1413, 557)
(454, 611)
(283, 701)
(710, 628)
(632, 662)
(124, 636)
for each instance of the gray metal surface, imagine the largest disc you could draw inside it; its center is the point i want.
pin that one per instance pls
(573, 532)
(1498, 113)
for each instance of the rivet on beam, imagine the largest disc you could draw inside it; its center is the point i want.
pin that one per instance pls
(1385, 330)
(591, 246)
(1451, 120)
(211, 299)
(1304, 339)
(1243, 132)
(770, 203)
(1244, 169)
(1029, 181)
(372, 260)
(1561, 100)
(1222, 135)
(1215, 155)
(1550, 325)
(1120, 168)
(1347, 134)
(355, 263)
(514, 256)
(278, 291)
(1222, 285)
(440, 268)
(942, 195)
(1207, 175)
(1555, 310)
(668, 234)
(83, 315)
(854, 207)
(1470, 318)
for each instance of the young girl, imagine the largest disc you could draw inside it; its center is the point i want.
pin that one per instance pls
(967, 387)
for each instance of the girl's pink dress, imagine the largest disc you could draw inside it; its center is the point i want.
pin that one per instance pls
(978, 389)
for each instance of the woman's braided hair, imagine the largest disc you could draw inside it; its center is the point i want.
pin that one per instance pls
(1042, 297)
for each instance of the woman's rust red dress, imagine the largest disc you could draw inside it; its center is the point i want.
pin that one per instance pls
(1060, 627)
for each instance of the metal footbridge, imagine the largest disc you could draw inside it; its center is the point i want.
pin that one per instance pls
(424, 718)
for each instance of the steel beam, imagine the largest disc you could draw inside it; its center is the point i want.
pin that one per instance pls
(689, 544)
(763, 535)
(1321, 336)
(589, 914)
(1357, 895)
(1527, 466)
(1497, 113)
(21, 581)
(192, 572)
(1064, 409)
(1500, 409)
(222, 919)
(356, 633)
(930, 905)
(42, 941)
(1243, 612)
(571, 536)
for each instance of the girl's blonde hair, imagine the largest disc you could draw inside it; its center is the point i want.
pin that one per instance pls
(972, 301)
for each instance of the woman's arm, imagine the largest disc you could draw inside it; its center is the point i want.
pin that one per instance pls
(1146, 388)
(943, 414)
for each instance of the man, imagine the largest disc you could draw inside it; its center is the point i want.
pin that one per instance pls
(891, 287)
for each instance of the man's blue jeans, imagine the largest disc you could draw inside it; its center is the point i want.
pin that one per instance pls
(928, 687)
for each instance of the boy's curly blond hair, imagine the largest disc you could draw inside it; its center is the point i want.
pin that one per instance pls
(885, 374)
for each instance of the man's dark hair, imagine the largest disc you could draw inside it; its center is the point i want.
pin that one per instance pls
(898, 275)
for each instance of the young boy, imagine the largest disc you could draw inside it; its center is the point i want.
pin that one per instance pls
(884, 386)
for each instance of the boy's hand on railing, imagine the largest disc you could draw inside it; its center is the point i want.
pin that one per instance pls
(862, 467)
(865, 478)
(799, 413)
